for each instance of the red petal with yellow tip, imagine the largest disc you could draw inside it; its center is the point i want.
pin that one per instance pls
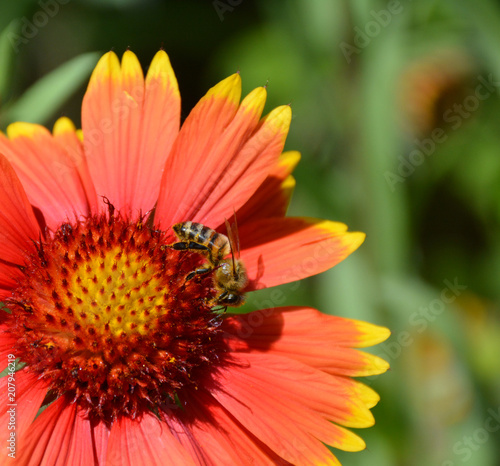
(68, 137)
(273, 196)
(239, 179)
(235, 181)
(282, 250)
(18, 225)
(301, 402)
(129, 124)
(48, 171)
(310, 337)
(181, 197)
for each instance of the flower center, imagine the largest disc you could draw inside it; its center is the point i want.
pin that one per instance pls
(105, 315)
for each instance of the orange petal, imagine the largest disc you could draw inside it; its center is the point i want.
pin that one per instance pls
(281, 250)
(69, 137)
(273, 196)
(29, 393)
(213, 436)
(129, 125)
(100, 436)
(8, 275)
(59, 436)
(48, 171)
(191, 169)
(18, 225)
(289, 406)
(306, 335)
(144, 441)
(6, 341)
(248, 169)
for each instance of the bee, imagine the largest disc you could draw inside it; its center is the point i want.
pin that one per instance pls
(197, 237)
(230, 276)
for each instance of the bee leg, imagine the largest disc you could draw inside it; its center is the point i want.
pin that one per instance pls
(220, 310)
(193, 274)
(222, 296)
(188, 246)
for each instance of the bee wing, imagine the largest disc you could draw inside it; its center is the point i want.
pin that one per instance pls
(234, 244)
(234, 239)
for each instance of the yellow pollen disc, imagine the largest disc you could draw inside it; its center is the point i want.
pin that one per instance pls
(106, 316)
(118, 293)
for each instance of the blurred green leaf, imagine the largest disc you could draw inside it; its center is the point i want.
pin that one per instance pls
(43, 99)
(12, 11)
(5, 58)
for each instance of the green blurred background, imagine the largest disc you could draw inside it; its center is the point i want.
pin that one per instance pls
(396, 112)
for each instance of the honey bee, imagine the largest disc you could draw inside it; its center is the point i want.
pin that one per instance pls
(230, 276)
(197, 237)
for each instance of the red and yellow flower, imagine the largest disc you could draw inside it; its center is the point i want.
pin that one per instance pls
(120, 359)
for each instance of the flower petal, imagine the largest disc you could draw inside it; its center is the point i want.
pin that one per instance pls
(246, 171)
(8, 275)
(61, 435)
(18, 225)
(6, 341)
(308, 336)
(182, 196)
(70, 138)
(281, 250)
(129, 125)
(289, 406)
(47, 171)
(273, 196)
(143, 442)
(100, 436)
(214, 437)
(29, 393)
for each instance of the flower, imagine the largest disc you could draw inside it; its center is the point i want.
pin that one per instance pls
(122, 352)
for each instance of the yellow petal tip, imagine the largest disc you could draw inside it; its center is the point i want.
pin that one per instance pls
(229, 88)
(254, 102)
(63, 125)
(21, 128)
(280, 119)
(290, 159)
(108, 67)
(370, 334)
(288, 183)
(161, 70)
(130, 66)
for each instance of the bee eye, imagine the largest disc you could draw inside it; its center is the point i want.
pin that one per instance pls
(233, 299)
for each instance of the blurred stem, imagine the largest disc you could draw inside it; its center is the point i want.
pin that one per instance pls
(382, 209)
(484, 19)
(5, 60)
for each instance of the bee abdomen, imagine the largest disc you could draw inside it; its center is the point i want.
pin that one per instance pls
(216, 244)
